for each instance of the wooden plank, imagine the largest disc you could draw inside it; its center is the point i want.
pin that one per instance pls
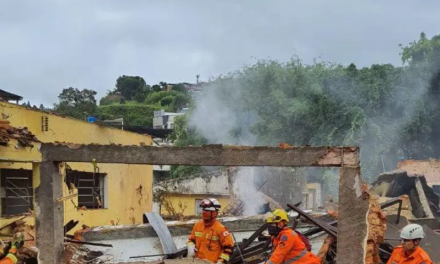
(68, 197)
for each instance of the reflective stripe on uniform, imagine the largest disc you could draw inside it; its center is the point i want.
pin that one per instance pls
(290, 261)
(214, 238)
(224, 256)
(198, 234)
(12, 257)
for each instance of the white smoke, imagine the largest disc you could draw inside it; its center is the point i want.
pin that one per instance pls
(245, 189)
(215, 121)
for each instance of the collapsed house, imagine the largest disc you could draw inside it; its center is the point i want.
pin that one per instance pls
(353, 205)
(419, 204)
(89, 192)
(49, 162)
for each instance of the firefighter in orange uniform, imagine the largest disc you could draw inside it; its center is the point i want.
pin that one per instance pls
(209, 239)
(8, 255)
(288, 247)
(410, 252)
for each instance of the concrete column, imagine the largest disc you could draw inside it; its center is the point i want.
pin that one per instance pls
(352, 217)
(49, 213)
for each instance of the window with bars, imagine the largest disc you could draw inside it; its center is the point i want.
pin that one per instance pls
(91, 188)
(16, 191)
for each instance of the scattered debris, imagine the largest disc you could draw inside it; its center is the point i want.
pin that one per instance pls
(22, 135)
(376, 231)
(423, 200)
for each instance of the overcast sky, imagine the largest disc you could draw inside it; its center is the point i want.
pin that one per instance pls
(46, 46)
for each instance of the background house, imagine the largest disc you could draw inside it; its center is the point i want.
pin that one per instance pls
(183, 196)
(108, 194)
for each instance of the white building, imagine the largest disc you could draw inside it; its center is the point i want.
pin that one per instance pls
(164, 119)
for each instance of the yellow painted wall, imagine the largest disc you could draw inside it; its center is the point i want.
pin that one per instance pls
(125, 203)
(189, 201)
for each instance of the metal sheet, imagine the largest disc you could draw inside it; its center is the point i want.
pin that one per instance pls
(163, 233)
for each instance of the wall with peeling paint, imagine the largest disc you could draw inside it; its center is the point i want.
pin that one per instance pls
(125, 199)
(429, 168)
(184, 193)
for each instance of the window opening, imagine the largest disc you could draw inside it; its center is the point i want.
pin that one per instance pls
(16, 191)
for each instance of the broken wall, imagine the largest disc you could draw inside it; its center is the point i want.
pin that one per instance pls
(216, 183)
(53, 128)
(429, 168)
(398, 183)
(181, 197)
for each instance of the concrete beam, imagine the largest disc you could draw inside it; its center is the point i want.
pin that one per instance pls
(49, 212)
(209, 155)
(353, 208)
(352, 217)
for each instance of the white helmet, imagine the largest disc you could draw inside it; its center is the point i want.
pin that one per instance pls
(210, 204)
(412, 231)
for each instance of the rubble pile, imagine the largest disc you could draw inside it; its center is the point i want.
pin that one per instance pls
(376, 232)
(22, 135)
(406, 209)
(76, 254)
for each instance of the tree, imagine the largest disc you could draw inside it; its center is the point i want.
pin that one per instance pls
(184, 136)
(419, 134)
(318, 104)
(156, 88)
(76, 103)
(181, 88)
(131, 86)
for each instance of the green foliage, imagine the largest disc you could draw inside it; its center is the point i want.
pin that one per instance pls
(155, 98)
(166, 101)
(388, 111)
(133, 113)
(76, 103)
(111, 99)
(391, 112)
(184, 136)
(156, 88)
(180, 87)
(173, 99)
(181, 171)
(131, 88)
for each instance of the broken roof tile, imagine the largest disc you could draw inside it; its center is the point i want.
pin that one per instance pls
(22, 135)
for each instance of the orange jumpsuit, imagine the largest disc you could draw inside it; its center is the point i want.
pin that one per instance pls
(213, 242)
(419, 256)
(10, 257)
(288, 248)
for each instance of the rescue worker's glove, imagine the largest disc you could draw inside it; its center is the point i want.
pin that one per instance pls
(18, 241)
(220, 261)
(191, 249)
